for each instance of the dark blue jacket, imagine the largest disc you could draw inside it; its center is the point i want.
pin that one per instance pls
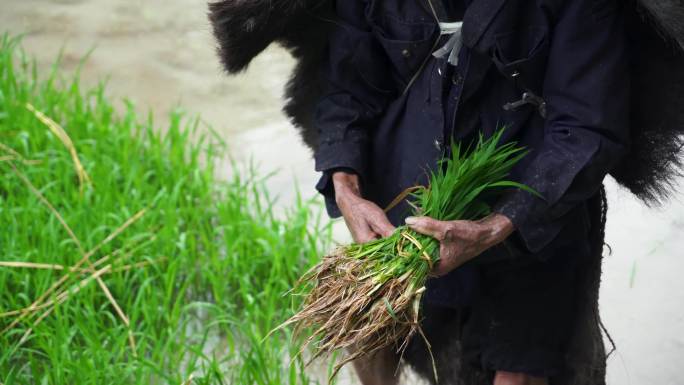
(384, 114)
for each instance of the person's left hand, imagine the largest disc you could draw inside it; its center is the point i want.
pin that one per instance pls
(461, 241)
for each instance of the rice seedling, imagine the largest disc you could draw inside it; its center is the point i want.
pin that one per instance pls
(196, 265)
(366, 297)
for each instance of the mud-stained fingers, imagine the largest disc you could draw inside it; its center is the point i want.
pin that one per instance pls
(428, 226)
(382, 226)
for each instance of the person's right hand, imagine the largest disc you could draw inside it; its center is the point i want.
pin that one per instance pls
(365, 220)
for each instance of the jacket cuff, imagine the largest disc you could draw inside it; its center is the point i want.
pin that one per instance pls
(341, 154)
(525, 211)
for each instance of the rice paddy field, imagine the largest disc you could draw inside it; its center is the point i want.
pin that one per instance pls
(124, 260)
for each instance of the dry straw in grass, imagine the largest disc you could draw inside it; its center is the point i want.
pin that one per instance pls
(94, 274)
(49, 266)
(61, 134)
(365, 297)
(12, 155)
(62, 296)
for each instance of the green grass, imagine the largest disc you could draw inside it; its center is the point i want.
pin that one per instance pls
(218, 261)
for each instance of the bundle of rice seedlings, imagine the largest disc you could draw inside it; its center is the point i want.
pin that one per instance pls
(366, 296)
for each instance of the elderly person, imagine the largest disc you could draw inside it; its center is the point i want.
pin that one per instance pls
(408, 77)
(380, 89)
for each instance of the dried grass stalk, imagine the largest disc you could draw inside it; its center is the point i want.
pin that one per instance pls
(85, 256)
(15, 156)
(56, 129)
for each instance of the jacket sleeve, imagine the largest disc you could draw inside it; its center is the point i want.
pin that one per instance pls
(586, 88)
(358, 90)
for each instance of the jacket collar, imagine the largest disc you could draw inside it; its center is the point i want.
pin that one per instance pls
(478, 16)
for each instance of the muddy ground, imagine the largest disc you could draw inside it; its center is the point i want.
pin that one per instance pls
(159, 54)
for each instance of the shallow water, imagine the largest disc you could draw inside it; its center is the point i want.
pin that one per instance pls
(160, 54)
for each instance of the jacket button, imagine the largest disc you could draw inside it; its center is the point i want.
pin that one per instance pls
(438, 144)
(406, 52)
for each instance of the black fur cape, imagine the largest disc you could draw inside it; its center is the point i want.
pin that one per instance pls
(244, 28)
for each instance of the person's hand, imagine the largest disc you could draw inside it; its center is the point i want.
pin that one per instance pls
(365, 220)
(461, 241)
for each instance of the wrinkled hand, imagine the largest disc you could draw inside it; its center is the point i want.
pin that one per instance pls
(365, 220)
(461, 241)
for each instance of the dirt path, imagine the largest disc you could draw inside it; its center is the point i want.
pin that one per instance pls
(159, 53)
